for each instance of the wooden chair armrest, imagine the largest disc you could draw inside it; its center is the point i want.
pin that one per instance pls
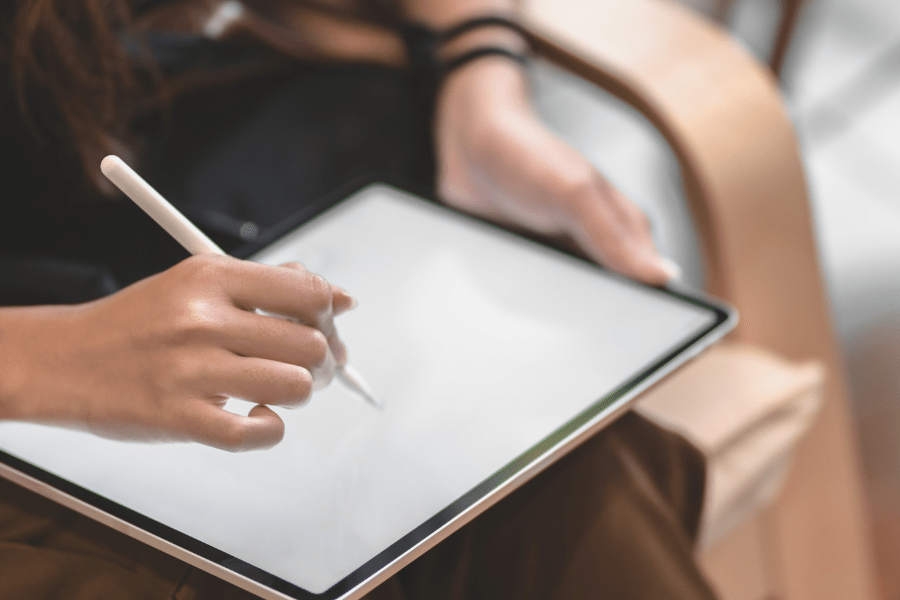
(745, 409)
(723, 116)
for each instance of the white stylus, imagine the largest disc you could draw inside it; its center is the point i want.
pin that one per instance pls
(195, 241)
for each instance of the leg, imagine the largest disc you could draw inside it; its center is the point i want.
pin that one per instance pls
(48, 552)
(614, 519)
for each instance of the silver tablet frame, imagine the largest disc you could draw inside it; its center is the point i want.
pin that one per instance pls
(550, 456)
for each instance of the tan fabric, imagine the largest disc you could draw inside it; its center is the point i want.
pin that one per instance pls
(614, 519)
(748, 441)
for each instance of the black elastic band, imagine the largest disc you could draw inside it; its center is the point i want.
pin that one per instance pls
(467, 57)
(486, 21)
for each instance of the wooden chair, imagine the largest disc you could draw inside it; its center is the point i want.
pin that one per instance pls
(787, 22)
(721, 113)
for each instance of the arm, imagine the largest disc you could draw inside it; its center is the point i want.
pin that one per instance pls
(496, 158)
(157, 360)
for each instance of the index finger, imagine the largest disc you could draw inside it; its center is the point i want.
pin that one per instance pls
(612, 229)
(290, 292)
(341, 301)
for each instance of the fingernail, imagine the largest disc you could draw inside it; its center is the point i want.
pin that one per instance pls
(671, 268)
(353, 302)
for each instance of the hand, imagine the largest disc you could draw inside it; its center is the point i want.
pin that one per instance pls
(157, 360)
(497, 160)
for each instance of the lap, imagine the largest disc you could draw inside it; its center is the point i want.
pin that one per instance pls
(614, 518)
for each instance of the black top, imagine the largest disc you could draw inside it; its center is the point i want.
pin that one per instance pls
(236, 160)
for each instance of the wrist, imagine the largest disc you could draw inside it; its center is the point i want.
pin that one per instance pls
(14, 367)
(485, 87)
(437, 52)
(486, 35)
(496, 40)
(30, 337)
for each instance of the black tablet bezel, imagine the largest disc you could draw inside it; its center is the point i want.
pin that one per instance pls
(724, 316)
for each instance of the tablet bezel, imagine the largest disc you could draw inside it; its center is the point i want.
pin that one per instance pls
(433, 530)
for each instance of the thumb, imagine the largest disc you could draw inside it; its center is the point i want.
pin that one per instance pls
(212, 425)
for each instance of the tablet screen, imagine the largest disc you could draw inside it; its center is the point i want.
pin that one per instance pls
(488, 350)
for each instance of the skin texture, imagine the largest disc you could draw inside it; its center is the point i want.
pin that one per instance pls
(497, 160)
(155, 361)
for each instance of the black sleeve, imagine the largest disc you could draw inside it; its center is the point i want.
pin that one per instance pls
(28, 274)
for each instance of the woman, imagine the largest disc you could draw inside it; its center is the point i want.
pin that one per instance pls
(98, 76)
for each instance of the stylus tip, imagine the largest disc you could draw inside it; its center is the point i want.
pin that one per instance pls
(355, 381)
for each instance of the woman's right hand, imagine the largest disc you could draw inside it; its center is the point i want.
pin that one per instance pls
(157, 360)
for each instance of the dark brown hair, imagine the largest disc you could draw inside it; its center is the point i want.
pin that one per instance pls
(75, 81)
(72, 77)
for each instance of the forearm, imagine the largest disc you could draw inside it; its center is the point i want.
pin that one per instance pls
(496, 158)
(155, 360)
(28, 335)
(11, 376)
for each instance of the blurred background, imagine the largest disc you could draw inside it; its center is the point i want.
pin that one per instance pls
(841, 79)
(838, 62)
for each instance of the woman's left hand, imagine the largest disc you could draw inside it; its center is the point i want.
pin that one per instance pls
(497, 159)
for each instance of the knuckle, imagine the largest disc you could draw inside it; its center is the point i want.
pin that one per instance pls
(639, 216)
(319, 294)
(300, 388)
(198, 320)
(191, 372)
(234, 437)
(293, 265)
(631, 209)
(317, 347)
(204, 265)
(644, 224)
(576, 183)
(183, 370)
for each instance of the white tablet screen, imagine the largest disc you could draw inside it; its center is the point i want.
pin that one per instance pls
(480, 344)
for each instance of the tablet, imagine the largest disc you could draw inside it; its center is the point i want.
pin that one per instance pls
(494, 356)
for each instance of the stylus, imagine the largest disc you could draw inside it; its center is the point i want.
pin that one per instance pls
(196, 242)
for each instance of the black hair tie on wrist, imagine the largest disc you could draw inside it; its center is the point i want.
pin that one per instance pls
(422, 44)
(487, 21)
(444, 37)
(476, 53)
(425, 68)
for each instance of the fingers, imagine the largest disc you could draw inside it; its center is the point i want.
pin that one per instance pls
(276, 339)
(538, 181)
(211, 425)
(341, 302)
(292, 292)
(616, 233)
(260, 380)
